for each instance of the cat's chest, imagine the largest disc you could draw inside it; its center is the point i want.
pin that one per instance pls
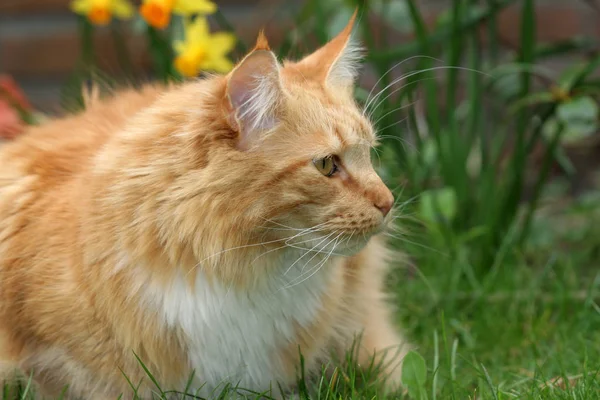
(236, 335)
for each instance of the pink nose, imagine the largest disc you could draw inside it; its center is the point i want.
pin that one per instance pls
(385, 202)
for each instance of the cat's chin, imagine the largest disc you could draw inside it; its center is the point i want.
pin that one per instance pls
(353, 245)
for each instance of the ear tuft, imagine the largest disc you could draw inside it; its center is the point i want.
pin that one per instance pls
(261, 41)
(254, 93)
(337, 62)
(345, 68)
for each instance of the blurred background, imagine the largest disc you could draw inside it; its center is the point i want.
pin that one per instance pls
(40, 43)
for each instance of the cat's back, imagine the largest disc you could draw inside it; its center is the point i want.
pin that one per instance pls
(43, 180)
(57, 150)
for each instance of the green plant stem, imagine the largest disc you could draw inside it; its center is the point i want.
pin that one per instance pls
(86, 31)
(321, 19)
(162, 55)
(518, 163)
(116, 29)
(301, 18)
(549, 156)
(443, 33)
(492, 30)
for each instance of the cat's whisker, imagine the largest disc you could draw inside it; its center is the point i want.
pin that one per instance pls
(396, 90)
(400, 207)
(350, 237)
(394, 124)
(316, 228)
(270, 228)
(302, 233)
(378, 156)
(397, 209)
(375, 100)
(317, 267)
(397, 138)
(395, 110)
(305, 253)
(317, 253)
(391, 69)
(408, 75)
(287, 226)
(402, 238)
(287, 245)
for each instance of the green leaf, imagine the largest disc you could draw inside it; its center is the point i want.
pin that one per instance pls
(580, 119)
(396, 13)
(577, 74)
(569, 75)
(531, 99)
(438, 204)
(414, 375)
(580, 108)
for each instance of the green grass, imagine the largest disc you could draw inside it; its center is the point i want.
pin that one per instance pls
(533, 320)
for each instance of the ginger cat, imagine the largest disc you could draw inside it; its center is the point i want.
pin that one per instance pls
(218, 226)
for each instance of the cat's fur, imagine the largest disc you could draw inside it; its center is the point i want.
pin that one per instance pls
(172, 223)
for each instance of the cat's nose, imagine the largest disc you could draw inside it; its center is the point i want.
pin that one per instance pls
(384, 202)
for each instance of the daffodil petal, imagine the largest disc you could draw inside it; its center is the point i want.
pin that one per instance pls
(80, 6)
(198, 30)
(123, 9)
(179, 46)
(187, 7)
(218, 64)
(223, 42)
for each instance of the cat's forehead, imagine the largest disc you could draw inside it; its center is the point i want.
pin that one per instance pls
(326, 109)
(346, 126)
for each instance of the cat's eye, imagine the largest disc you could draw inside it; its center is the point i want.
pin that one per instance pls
(326, 165)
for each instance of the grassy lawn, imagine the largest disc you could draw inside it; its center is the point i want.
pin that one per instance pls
(528, 330)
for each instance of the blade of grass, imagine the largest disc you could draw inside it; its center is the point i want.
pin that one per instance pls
(133, 387)
(25, 392)
(436, 365)
(149, 374)
(449, 355)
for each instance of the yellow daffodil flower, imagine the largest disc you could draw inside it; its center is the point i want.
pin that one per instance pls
(157, 13)
(100, 12)
(202, 50)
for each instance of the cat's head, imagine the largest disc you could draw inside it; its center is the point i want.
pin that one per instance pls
(300, 122)
(269, 152)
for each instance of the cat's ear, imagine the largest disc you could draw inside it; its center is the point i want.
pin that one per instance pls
(254, 94)
(337, 62)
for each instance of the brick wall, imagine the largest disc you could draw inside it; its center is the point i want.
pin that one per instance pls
(39, 40)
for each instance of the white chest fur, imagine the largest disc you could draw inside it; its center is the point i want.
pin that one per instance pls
(233, 336)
